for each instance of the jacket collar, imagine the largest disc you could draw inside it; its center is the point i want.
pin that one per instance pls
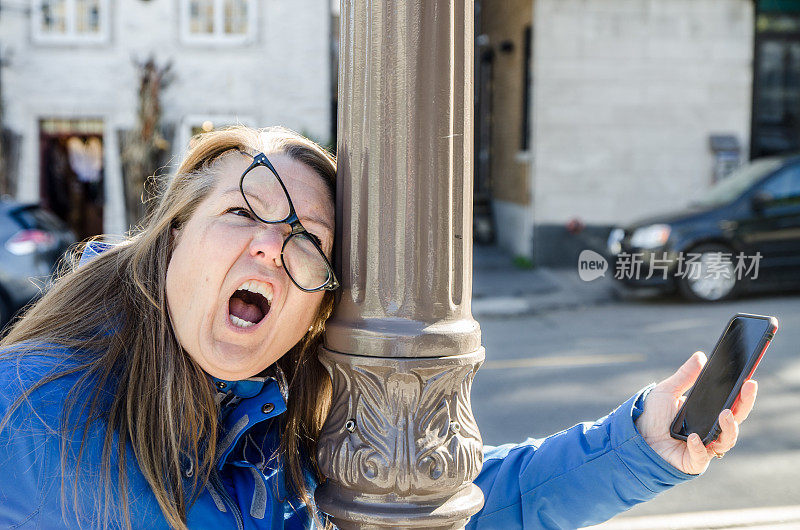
(246, 388)
(244, 404)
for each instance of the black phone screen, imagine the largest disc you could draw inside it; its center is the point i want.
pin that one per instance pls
(736, 352)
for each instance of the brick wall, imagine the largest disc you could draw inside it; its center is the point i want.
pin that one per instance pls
(626, 95)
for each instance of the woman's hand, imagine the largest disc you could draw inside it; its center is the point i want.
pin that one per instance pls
(662, 405)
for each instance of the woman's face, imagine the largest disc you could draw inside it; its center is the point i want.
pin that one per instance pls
(220, 249)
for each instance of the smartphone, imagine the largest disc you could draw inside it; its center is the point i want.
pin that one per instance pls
(733, 361)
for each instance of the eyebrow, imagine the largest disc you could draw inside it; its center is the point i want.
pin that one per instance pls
(315, 220)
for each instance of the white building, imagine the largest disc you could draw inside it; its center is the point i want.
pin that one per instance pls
(602, 110)
(69, 72)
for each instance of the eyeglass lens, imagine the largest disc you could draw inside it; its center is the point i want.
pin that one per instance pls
(301, 258)
(265, 194)
(303, 261)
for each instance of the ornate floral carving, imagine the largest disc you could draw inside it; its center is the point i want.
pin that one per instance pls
(414, 431)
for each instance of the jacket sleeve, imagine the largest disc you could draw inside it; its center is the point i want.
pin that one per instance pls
(578, 477)
(26, 448)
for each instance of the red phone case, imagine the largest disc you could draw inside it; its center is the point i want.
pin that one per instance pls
(735, 396)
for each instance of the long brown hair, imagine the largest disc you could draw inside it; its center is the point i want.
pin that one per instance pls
(162, 402)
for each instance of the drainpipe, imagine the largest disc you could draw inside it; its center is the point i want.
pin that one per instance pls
(400, 446)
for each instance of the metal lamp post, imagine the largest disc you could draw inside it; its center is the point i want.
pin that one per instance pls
(401, 447)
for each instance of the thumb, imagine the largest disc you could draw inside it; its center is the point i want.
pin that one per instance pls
(698, 452)
(684, 378)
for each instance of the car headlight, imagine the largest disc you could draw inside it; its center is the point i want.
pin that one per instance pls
(652, 236)
(614, 243)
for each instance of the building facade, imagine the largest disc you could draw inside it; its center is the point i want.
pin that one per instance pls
(70, 84)
(600, 112)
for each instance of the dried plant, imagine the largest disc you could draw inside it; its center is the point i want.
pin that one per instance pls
(144, 147)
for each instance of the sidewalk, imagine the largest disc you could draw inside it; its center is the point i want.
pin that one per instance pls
(779, 517)
(501, 288)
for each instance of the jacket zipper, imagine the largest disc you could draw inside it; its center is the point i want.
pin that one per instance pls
(227, 498)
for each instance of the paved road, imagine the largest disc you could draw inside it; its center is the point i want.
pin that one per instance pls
(544, 373)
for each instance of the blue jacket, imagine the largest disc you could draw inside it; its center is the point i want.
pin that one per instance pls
(580, 476)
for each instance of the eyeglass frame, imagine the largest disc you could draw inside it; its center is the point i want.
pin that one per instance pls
(260, 159)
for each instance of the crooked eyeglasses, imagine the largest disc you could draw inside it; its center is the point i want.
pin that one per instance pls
(301, 254)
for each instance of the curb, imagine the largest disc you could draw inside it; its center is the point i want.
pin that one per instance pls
(508, 306)
(783, 517)
(500, 306)
(562, 295)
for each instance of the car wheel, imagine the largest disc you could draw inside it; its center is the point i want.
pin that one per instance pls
(709, 274)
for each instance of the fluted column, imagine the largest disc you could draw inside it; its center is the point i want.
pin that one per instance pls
(400, 446)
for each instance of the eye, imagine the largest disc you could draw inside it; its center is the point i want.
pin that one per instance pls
(241, 212)
(315, 238)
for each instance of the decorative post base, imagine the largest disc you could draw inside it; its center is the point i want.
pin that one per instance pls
(400, 445)
(351, 511)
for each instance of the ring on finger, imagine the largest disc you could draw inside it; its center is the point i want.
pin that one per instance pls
(716, 454)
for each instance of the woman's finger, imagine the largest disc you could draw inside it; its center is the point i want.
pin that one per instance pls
(697, 451)
(746, 401)
(684, 378)
(728, 436)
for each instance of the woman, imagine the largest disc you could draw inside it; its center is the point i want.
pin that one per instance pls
(172, 380)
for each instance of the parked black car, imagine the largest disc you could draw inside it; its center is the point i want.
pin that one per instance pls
(32, 240)
(745, 230)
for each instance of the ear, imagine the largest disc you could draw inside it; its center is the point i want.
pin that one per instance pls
(174, 232)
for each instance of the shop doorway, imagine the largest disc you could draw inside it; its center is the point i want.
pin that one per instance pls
(503, 81)
(71, 173)
(776, 80)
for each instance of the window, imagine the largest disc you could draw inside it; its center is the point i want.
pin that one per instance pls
(199, 123)
(784, 185)
(70, 20)
(527, 37)
(218, 21)
(776, 79)
(783, 195)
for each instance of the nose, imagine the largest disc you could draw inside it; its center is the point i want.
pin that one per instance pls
(267, 242)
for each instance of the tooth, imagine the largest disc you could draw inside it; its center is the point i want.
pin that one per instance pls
(240, 322)
(254, 286)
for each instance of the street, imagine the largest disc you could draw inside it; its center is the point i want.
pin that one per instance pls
(546, 372)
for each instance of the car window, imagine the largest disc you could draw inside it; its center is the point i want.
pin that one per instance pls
(734, 184)
(785, 184)
(35, 217)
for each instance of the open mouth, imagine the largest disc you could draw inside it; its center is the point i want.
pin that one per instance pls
(250, 303)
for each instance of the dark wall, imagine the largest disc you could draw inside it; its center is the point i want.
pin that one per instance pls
(555, 246)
